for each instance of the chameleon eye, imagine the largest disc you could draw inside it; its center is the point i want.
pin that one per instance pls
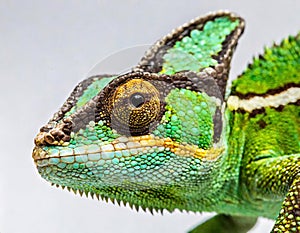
(135, 107)
(137, 100)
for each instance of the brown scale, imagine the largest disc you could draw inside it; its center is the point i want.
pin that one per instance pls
(54, 134)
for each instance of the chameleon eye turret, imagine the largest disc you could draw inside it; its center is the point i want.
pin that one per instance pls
(135, 107)
(168, 136)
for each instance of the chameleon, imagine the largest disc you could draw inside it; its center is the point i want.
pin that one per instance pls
(172, 133)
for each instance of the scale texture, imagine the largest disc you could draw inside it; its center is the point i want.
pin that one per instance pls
(171, 135)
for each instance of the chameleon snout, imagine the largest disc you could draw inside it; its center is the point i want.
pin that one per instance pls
(54, 134)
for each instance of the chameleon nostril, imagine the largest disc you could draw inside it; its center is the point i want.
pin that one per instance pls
(49, 139)
(56, 134)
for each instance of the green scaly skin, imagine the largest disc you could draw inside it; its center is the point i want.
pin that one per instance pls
(167, 136)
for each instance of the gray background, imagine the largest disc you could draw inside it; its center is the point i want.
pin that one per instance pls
(46, 48)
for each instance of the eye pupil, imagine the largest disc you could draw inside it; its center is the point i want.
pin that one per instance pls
(137, 100)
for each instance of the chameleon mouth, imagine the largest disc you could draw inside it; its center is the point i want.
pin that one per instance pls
(120, 147)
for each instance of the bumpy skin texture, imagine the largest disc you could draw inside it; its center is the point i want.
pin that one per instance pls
(166, 136)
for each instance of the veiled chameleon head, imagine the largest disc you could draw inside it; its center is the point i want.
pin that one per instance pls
(146, 136)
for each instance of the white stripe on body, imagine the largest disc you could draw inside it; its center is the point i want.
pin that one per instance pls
(285, 97)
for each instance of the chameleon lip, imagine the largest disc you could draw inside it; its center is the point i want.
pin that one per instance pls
(131, 145)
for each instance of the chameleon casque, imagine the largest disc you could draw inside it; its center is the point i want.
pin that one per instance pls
(168, 135)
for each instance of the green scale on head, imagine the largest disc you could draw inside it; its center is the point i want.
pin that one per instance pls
(165, 136)
(190, 120)
(197, 50)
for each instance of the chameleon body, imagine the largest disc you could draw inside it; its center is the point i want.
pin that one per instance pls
(168, 135)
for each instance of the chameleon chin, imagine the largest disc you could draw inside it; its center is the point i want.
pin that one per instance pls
(169, 135)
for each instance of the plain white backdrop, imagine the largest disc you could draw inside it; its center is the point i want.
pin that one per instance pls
(46, 48)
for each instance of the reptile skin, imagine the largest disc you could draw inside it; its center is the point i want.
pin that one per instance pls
(169, 135)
